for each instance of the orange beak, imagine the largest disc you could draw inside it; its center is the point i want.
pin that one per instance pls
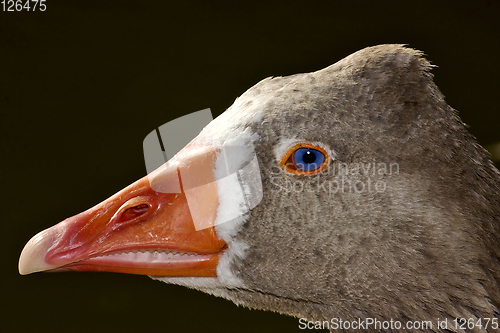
(139, 230)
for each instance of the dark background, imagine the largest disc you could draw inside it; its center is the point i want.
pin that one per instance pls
(83, 83)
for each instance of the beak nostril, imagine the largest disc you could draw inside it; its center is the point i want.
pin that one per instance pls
(135, 211)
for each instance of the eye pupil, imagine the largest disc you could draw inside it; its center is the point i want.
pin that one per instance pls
(309, 157)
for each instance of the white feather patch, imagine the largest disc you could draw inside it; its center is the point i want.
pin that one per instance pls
(237, 193)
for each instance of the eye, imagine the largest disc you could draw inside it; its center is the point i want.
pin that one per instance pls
(305, 159)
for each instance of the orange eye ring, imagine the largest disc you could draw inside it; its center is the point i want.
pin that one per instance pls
(287, 161)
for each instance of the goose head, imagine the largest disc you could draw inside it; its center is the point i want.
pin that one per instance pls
(369, 200)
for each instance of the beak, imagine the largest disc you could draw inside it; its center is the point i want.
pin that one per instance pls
(139, 230)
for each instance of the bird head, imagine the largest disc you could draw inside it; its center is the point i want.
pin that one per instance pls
(356, 192)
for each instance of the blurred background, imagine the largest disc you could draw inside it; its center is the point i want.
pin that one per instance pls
(84, 82)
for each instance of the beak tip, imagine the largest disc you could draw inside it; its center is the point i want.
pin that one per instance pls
(23, 270)
(32, 257)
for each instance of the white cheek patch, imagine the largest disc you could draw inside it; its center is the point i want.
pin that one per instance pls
(237, 171)
(238, 179)
(239, 188)
(237, 175)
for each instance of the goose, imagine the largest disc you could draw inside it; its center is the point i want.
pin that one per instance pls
(370, 202)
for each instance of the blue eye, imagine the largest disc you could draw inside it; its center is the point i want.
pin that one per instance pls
(304, 159)
(308, 159)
